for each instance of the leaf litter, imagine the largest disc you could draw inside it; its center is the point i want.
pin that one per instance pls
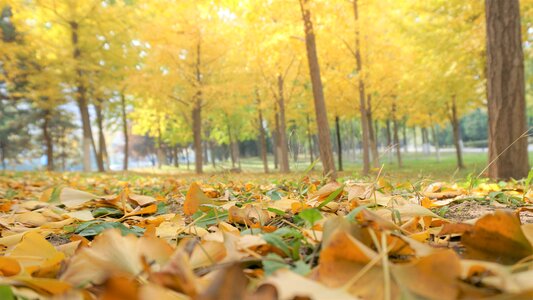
(107, 236)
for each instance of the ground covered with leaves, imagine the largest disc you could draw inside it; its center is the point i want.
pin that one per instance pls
(75, 236)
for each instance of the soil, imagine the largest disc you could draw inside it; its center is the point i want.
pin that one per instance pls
(468, 210)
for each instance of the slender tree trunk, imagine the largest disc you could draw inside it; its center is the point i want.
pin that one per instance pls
(371, 135)
(414, 139)
(159, 150)
(187, 157)
(81, 99)
(396, 138)
(283, 144)
(339, 143)
(48, 141)
(404, 134)
(309, 139)
(326, 152)
(262, 135)
(197, 136)
(389, 140)
(508, 145)
(124, 131)
(435, 133)
(3, 154)
(176, 157)
(101, 156)
(213, 156)
(231, 146)
(362, 95)
(275, 137)
(456, 134)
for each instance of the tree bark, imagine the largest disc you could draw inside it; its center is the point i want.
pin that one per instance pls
(310, 140)
(231, 142)
(339, 143)
(81, 99)
(176, 152)
(124, 131)
(396, 138)
(456, 134)
(326, 152)
(414, 139)
(101, 156)
(362, 95)
(508, 145)
(187, 157)
(48, 141)
(283, 144)
(197, 137)
(371, 134)
(262, 134)
(275, 137)
(435, 134)
(404, 135)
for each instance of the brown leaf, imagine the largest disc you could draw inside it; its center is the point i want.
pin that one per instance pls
(194, 199)
(229, 284)
(497, 237)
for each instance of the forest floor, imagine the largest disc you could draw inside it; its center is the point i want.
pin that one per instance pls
(174, 235)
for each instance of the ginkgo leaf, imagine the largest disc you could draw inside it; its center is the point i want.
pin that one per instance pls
(194, 199)
(72, 197)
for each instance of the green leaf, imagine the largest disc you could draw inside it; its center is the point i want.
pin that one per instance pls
(274, 194)
(213, 216)
(108, 212)
(95, 228)
(276, 211)
(6, 293)
(276, 241)
(272, 263)
(331, 197)
(310, 216)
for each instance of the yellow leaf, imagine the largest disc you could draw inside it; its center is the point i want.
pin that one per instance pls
(194, 199)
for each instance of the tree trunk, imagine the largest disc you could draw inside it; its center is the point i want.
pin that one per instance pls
(231, 142)
(339, 143)
(326, 152)
(396, 138)
(275, 137)
(48, 141)
(176, 157)
(362, 95)
(101, 156)
(371, 135)
(456, 134)
(213, 156)
(262, 135)
(124, 131)
(508, 145)
(81, 99)
(310, 140)
(435, 133)
(283, 144)
(3, 154)
(414, 139)
(389, 140)
(197, 136)
(187, 157)
(404, 131)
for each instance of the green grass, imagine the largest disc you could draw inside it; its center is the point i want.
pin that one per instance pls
(415, 166)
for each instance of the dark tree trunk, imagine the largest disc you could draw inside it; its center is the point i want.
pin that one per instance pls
(414, 139)
(339, 143)
(262, 134)
(275, 138)
(371, 135)
(508, 153)
(197, 136)
(81, 99)
(213, 156)
(176, 157)
(231, 146)
(396, 137)
(389, 137)
(48, 141)
(456, 134)
(435, 133)
(324, 145)
(283, 143)
(187, 157)
(3, 154)
(310, 140)
(101, 156)
(125, 131)
(362, 95)
(404, 134)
